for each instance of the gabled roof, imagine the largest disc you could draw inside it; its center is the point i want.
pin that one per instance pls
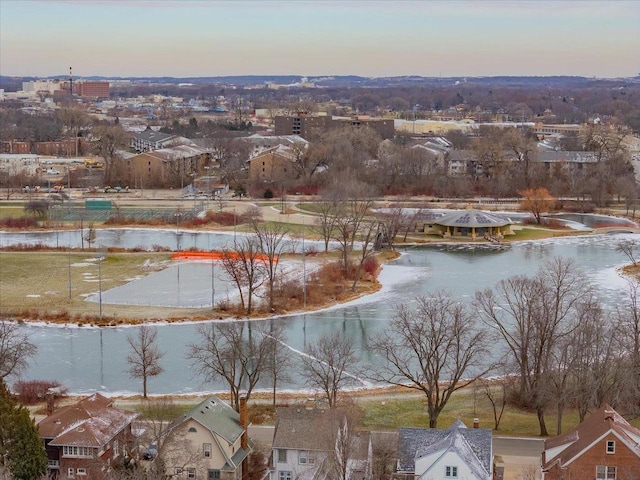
(279, 150)
(471, 218)
(568, 447)
(218, 417)
(473, 445)
(306, 429)
(91, 422)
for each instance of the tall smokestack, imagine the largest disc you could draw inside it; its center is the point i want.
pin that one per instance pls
(70, 82)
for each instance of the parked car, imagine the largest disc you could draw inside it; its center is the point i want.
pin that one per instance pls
(52, 171)
(150, 452)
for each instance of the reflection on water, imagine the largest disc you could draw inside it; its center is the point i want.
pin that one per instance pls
(87, 359)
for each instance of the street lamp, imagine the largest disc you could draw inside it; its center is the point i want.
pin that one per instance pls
(208, 168)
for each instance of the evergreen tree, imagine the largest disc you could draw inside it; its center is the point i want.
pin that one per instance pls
(21, 449)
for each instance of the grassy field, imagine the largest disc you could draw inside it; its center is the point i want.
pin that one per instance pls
(35, 285)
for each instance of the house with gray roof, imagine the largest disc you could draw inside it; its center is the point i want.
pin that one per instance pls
(455, 453)
(208, 442)
(318, 444)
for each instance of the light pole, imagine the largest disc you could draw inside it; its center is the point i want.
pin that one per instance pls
(304, 271)
(213, 286)
(207, 168)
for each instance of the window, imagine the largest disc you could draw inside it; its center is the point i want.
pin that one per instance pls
(284, 476)
(611, 446)
(282, 456)
(81, 471)
(73, 451)
(193, 430)
(178, 471)
(451, 472)
(206, 450)
(70, 472)
(191, 473)
(606, 473)
(214, 474)
(306, 457)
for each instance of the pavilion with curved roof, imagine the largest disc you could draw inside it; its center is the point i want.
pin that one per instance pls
(472, 223)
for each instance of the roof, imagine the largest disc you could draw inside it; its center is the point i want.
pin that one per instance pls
(471, 218)
(473, 445)
(91, 422)
(304, 429)
(567, 447)
(218, 417)
(279, 150)
(153, 136)
(270, 140)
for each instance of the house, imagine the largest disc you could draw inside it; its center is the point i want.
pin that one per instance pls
(172, 166)
(435, 454)
(87, 439)
(603, 447)
(274, 165)
(318, 444)
(208, 443)
(260, 143)
(151, 140)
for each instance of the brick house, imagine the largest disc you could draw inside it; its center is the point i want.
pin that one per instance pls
(275, 165)
(87, 439)
(603, 447)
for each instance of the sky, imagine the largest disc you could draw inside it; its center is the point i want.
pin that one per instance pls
(596, 38)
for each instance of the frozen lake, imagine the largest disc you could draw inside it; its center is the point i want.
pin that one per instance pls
(88, 359)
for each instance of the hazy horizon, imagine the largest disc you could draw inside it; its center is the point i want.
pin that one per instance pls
(202, 38)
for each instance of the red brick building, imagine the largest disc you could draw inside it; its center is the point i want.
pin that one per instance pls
(603, 447)
(87, 439)
(92, 89)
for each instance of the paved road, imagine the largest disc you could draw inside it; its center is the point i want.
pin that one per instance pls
(521, 447)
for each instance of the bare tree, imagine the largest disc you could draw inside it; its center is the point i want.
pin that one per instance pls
(628, 331)
(496, 393)
(273, 242)
(325, 364)
(369, 233)
(537, 201)
(278, 365)
(144, 359)
(628, 248)
(325, 222)
(234, 352)
(15, 349)
(532, 314)
(246, 267)
(393, 221)
(431, 348)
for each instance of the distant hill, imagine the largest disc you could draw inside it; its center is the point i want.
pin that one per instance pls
(15, 83)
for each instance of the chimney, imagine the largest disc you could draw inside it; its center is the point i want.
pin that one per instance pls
(244, 421)
(51, 400)
(476, 423)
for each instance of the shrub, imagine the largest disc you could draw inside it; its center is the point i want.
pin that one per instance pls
(371, 265)
(33, 391)
(222, 218)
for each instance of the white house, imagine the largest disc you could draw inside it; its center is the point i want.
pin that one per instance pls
(457, 453)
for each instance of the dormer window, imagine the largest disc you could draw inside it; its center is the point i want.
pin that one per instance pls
(611, 446)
